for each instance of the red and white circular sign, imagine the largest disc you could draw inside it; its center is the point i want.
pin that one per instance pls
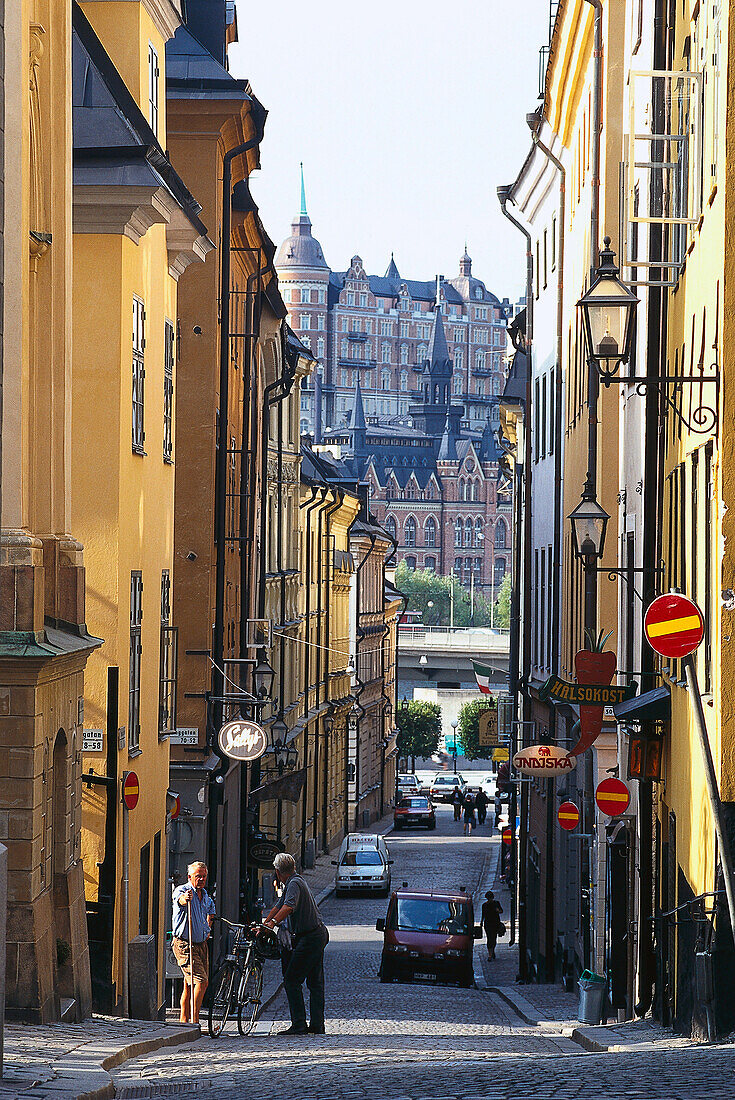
(131, 790)
(612, 796)
(568, 815)
(506, 835)
(674, 625)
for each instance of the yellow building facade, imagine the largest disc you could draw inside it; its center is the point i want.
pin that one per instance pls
(136, 227)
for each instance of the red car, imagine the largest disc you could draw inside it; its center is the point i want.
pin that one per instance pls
(428, 933)
(414, 810)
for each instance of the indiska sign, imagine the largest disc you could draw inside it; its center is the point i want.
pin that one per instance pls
(601, 695)
(243, 740)
(546, 760)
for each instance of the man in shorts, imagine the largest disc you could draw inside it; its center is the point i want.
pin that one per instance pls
(196, 968)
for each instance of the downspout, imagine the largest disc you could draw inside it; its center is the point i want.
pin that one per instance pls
(359, 634)
(318, 676)
(216, 778)
(308, 507)
(504, 195)
(328, 513)
(558, 504)
(596, 129)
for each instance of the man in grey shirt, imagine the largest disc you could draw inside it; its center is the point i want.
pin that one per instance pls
(310, 937)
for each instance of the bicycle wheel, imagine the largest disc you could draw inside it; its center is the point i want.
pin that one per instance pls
(249, 1004)
(220, 1003)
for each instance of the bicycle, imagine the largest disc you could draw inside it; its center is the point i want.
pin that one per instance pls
(238, 982)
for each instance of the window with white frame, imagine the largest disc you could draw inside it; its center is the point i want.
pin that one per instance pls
(322, 296)
(320, 347)
(306, 295)
(403, 327)
(404, 353)
(409, 531)
(320, 322)
(136, 620)
(385, 380)
(153, 80)
(430, 532)
(305, 321)
(169, 347)
(404, 381)
(138, 410)
(168, 662)
(385, 353)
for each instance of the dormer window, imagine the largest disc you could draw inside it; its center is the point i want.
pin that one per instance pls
(478, 292)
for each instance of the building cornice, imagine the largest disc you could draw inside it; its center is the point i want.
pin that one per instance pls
(165, 14)
(126, 211)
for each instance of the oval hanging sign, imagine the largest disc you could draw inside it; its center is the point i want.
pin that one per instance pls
(243, 740)
(544, 760)
(262, 850)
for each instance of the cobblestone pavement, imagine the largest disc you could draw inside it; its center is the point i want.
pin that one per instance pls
(420, 1041)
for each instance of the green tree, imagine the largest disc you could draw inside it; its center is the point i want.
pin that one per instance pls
(419, 728)
(468, 731)
(502, 605)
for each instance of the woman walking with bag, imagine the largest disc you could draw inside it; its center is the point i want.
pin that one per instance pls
(491, 922)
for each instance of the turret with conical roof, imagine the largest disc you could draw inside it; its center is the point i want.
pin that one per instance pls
(392, 272)
(440, 364)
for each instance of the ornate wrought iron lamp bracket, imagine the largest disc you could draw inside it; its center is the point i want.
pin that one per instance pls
(702, 420)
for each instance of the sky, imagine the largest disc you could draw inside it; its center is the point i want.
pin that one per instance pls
(406, 115)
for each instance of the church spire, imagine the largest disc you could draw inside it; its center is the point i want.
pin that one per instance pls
(438, 350)
(358, 413)
(302, 212)
(392, 272)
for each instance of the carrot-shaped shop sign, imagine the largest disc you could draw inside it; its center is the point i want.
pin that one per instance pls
(592, 666)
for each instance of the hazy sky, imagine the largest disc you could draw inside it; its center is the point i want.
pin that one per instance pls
(406, 115)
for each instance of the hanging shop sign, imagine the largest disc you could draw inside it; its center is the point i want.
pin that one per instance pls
(644, 757)
(243, 740)
(487, 729)
(568, 816)
(262, 850)
(130, 790)
(612, 797)
(595, 668)
(674, 625)
(545, 761)
(605, 695)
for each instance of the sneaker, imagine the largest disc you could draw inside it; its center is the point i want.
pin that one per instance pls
(294, 1030)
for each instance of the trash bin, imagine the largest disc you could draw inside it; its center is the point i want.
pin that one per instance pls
(591, 996)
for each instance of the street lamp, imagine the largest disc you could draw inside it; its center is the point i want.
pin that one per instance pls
(608, 309)
(589, 527)
(455, 723)
(283, 754)
(263, 675)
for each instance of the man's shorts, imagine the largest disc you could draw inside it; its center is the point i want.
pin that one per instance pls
(201, 959)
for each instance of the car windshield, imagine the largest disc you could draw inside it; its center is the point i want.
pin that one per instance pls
(413, 804)
(431, 915)
(362, 858)
(450, 779)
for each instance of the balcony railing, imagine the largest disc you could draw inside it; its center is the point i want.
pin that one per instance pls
(346, 361)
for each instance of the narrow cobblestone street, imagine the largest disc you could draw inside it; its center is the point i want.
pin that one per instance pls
(421, 1040)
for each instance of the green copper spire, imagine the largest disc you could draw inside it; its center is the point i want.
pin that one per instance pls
(302, 212)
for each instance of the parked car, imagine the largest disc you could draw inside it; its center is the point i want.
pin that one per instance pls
(488, 786)
(428, 932)
(363, 864)
(444, 785)
(407, 784)
(414, 810)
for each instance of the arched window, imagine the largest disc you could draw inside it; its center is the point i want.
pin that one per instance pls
(499, 571)
(409, 531)
(404, 381)
(385, 380)
(478, 489)
(430, 565)
(500, 535)
(460, 494)
(468, 532)
(390, 525)
(404, 354)
(479, 533)
(458, 568)
(430, 532)
(467, 570)
(421, 353)
(436, 394)
(458, 532)
(471, 487)
(385, 352)
(410, 562)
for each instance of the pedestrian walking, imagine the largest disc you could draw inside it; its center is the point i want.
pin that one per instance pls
(481, 801)
(491, 922)
(469, 815)
(309, 937)
(193, 916)
(456, 799)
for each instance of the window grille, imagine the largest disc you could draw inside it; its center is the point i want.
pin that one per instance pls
(138, 376)
(136, 620)
(168, 391)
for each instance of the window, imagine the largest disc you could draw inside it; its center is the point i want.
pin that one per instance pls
(168, 663)
(320, 347)
(320, 322)
(479, 533)
(430, 532)
(385, 328)
(409, 531)
(385, 353)
(499, 571)
(404, 381)
(305, 295)
(458, 358)
(136, 619)
(322, 296)
(421, 353)
(153, 75)
(390, 526)
(350, 298)
(363, 300)
(385, 380)
(430, 565)
(403, 328)
(138, 375)
(344, 349)
(458, 532)
(500, 535)
(305, 320)
(168, 390)
(480, 360)
(546, 262)
(410, 562)
(457, 384)
(468, 532)
(553, 243)
(404, 354)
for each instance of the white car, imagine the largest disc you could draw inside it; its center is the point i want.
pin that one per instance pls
(407, 784)
(363, 864)
(444, 786)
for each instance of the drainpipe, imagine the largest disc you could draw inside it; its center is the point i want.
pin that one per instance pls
(596, 132)
(216, 779)
(360, 634)
(504, 194)
(328, 513)
(308, 508)
(558, 504)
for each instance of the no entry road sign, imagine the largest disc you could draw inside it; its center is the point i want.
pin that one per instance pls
(506, 835)
(568, 816)
(674, 625)
(131, 790)
(612, 796)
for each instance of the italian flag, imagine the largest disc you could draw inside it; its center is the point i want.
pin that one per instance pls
(482, 675)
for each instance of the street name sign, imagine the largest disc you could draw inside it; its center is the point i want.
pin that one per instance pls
(612, 797)
(93, 740)
(544, 760)
(131, 790)
(674, 625)
(243, 740)
(568, 815)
